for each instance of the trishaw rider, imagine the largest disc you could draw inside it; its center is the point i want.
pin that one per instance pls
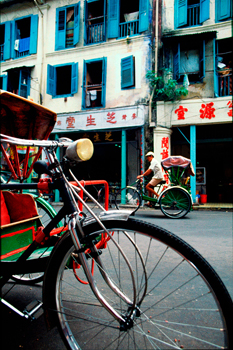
(157, 177)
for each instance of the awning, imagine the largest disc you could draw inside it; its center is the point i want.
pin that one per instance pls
(20, 67)
(178, 35)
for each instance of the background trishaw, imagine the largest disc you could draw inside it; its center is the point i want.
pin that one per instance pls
(174, 196)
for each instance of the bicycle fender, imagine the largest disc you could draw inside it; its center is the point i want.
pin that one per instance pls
(167, 189)
(121, 215)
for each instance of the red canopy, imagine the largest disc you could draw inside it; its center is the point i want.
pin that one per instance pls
(177, 161)
(25, 119)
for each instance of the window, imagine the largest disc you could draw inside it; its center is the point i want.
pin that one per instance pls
(3, 82)
(189, 58)
(127, 18)
(24, 34)
(127, 72)
(5, 41)
(18, 81)
(190, 13)
(67, 27)
(94, 83)
(223, 9)
(223, 61)
(95, 24)
(62, 80)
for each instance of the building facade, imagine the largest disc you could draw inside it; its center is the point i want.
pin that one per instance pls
(196, 50)
(87, 61)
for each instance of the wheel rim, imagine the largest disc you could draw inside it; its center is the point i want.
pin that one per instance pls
(128, 198)
(179, 309)
(175, 203)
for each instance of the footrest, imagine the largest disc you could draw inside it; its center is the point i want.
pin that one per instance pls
(34, 310)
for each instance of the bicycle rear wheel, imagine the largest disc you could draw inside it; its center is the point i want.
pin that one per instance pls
(175, 203)
(46, 213)
(128, 197)
(181, 301)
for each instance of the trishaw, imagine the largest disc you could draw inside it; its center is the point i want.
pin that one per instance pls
(110, 281)
(174, 198)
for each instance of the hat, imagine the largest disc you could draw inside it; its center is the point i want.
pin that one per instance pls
(150, 154)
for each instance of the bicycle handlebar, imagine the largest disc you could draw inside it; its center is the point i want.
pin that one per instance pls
(33, 143)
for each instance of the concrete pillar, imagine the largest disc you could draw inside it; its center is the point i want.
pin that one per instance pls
(193, 160)
(162, 142)
(123, 163)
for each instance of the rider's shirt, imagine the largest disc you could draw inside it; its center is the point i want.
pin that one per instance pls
(156, 168)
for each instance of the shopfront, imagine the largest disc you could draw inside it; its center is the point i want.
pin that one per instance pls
(202, 131)
(117, 136)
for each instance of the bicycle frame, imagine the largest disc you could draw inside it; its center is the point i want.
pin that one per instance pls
(76, 219)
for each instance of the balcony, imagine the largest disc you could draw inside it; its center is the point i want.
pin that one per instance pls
(193, 15)
(95, 33)
(225, 84)
(129, 28)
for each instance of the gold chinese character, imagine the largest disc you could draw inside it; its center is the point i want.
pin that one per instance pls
(96, 137)
(108, 136)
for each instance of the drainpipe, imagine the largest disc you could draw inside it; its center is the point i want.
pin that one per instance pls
(42, 52)
(156, 3)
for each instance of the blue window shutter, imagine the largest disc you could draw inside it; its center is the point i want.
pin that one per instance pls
(202, 61)
(7, 41)
(204, 10)
(113, 18)
(60, 39)
(181, 13)
(143, 15)
(127, 72)
(74, 78)
(215, 50)
(76, 23)
(4, 82)
(13, 32)
(33, 34)
(176, 62)
(24, 83)
(84, 83)
(104, 73)
(223, 9)
(51, 80)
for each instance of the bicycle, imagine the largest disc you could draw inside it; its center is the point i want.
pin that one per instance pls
(112, 281)
(174, 198)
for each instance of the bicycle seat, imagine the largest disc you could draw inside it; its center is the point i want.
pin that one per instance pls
(162, 182)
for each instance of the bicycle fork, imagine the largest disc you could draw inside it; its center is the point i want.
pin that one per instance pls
(125, 321)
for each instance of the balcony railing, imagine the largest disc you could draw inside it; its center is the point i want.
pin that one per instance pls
(193, 15)
(129, 28)
(1, 52)
(225, 85)
(22, 47)
(95, 33)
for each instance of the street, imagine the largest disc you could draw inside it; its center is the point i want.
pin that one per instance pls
(209, 232)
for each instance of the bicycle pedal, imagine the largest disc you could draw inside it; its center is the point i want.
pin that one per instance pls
(34, 310)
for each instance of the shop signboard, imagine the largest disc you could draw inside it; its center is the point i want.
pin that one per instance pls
(101, 120)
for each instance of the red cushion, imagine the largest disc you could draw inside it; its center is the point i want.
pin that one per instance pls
(20, 206)
(4, 217)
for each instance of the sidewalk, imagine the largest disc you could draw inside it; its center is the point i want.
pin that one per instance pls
(206, 206)
(214, 206)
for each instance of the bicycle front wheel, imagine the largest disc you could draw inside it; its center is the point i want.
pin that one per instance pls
(181, 301)
(175, 203)
(128, 197)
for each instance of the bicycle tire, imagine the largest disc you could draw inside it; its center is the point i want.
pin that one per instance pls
(175, 203)
(186, 304)
(128, 197)
(46, 213)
